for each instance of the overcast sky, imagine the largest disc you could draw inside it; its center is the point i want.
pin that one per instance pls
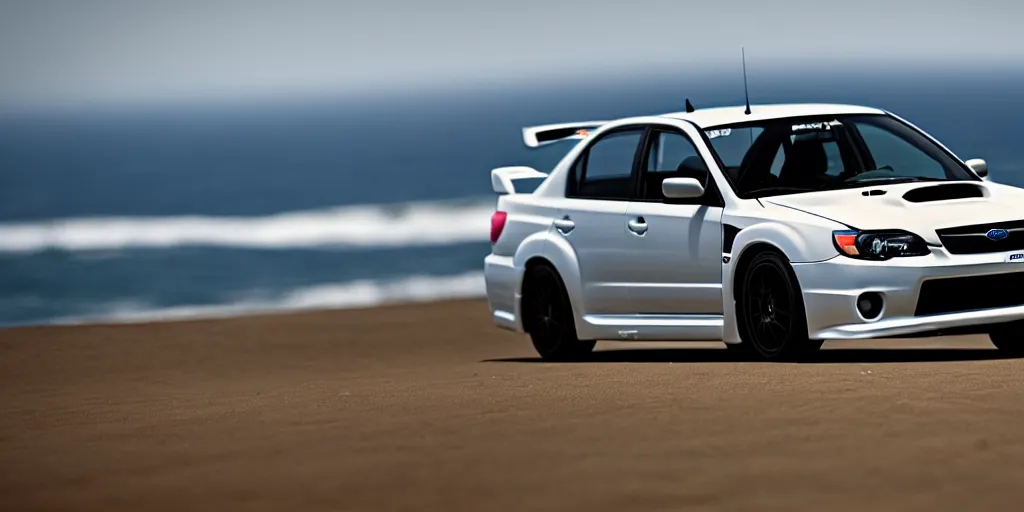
(73, 51)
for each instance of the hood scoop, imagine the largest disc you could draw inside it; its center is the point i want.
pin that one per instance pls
(946, 192)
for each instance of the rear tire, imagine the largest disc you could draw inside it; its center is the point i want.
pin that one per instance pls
(1009, 338)
(548, 317)
(770, 312)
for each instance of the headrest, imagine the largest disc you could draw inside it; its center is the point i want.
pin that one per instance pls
(692, 163)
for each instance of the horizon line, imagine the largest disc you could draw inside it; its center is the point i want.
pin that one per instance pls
(550, 79)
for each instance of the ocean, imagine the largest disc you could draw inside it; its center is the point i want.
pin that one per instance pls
(188, 211)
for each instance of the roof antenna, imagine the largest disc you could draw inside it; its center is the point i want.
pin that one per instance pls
(745, 93)
(689, 106)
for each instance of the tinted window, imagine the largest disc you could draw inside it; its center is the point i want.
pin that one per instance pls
(810, 156)
(786, 156)
(606, 168)
(670, 155)
(891, 152)
(732, 145)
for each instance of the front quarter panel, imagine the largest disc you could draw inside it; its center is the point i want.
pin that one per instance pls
(800, 237)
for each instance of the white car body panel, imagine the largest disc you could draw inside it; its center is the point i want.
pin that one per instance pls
(675, 281)
(659, 280)
(1001, 204)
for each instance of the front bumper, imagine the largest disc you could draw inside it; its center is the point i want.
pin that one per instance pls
(831, 289)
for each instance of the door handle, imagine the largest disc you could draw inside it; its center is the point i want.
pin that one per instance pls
(638, 226)
(564, 225)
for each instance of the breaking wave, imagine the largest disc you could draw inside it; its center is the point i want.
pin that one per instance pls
(327, 296)
(407, 224)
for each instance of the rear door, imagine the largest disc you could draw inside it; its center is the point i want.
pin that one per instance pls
(675, 246)
(593, 218)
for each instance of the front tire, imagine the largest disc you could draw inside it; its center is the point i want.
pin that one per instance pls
(1009, 338)
(770, 311)
(548, 317)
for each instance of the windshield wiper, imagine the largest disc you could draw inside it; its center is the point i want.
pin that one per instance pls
(891, 180)
(753, 193)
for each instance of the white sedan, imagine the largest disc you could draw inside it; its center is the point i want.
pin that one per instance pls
(772, 229)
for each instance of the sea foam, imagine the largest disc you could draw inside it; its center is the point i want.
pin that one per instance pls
(406, 224)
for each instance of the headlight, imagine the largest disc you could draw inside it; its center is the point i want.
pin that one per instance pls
(879, 245)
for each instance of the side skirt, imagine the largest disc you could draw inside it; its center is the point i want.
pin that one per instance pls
(654, 327)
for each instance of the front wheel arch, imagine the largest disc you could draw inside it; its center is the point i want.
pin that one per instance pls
(743, 263)
(794, 344)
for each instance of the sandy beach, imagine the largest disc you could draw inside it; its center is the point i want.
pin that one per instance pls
(429, 407)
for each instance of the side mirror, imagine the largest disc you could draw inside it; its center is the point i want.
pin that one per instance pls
(681, 188)
(979, 167)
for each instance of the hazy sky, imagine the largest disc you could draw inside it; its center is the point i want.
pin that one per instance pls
(57, 52)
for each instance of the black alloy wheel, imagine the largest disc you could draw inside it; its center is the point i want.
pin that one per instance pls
(773, 324)
(548, 318)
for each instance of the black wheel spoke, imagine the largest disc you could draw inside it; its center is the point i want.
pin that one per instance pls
(768, 307)
(770, 312)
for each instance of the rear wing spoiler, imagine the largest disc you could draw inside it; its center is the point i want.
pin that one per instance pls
(503, 178)
(541, 135)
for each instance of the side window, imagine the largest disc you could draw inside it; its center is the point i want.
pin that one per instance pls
(888, 149)
(732, 146)
(670, 155)
(605, 169)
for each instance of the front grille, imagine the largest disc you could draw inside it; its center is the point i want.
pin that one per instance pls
(956, 294)
(973, 239)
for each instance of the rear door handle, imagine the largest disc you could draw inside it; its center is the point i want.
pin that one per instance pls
(564, 225)
(638, 226)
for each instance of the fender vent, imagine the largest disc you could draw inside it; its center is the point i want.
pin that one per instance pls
(729, 233)
(944, 193)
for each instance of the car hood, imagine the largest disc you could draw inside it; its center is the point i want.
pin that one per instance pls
(888, 207)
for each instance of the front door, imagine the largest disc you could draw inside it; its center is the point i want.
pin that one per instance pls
(675, 246)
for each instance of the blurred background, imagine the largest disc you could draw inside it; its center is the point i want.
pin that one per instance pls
(178, 159)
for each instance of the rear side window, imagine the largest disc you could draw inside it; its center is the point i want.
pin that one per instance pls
(605, 169)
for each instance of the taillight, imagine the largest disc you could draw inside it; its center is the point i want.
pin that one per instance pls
(497, 225)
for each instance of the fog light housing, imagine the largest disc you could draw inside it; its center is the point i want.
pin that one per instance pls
(870, 305)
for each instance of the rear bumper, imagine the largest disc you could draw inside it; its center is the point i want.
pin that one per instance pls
(831, 289)
(503, 282)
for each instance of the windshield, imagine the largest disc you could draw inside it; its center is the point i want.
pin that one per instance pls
(785, 156)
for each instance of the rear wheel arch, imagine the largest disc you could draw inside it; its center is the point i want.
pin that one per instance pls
(532, 263)
(569, 282)
(548, 316)
(559, 255)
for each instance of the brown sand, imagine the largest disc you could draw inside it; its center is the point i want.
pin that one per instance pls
(429, 407)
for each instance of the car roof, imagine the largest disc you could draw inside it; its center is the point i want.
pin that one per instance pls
(717, 116)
